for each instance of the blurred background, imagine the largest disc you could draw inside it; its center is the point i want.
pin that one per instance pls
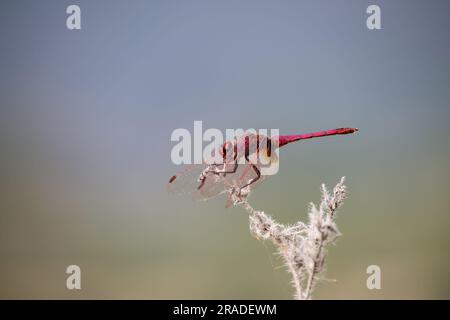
(85, 123)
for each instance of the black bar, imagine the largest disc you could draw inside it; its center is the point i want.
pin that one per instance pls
(221, 309)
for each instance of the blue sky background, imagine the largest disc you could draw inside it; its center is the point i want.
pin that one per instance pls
(86, 118)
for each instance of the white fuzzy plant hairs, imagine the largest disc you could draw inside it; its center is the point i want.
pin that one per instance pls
(301, 246)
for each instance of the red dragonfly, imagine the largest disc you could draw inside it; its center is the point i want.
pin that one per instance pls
(238, 171)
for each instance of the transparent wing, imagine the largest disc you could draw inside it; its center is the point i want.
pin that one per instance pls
(204, 182)
(213, 185)
(187, 181)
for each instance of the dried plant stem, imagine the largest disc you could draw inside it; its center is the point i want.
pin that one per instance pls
(311, 278)
(302, 246)
(296, 281)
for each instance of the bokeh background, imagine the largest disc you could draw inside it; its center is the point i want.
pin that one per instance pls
(85, 124)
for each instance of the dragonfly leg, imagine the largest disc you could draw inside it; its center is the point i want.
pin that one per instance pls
(213, 167)
(202, 181)
(202, 177)
(235, 162)
(218, 172)
(258, 174)
(223, 171)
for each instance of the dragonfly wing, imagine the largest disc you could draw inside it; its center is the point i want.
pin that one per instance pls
(216, 184)
(213, 186)
(187, 181)
(202, 185)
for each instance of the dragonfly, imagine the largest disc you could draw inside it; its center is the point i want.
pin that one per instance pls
(238, 172)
